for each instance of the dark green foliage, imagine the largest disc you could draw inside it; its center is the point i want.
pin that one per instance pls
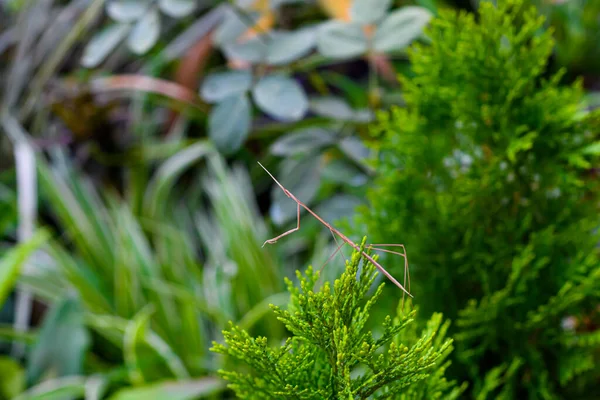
(333, 355)
(487, 178)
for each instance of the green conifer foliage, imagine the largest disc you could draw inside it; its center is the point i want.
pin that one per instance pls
(333, 355)
(485, 177)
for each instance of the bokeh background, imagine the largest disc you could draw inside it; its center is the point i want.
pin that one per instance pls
(133, 208)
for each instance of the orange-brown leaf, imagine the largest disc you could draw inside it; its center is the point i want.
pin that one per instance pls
(337, 9)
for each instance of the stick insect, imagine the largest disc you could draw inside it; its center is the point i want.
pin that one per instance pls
(339, 234)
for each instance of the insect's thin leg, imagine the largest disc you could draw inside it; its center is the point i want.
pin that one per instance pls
(274, 240)
(340, 245)
(330, 257)
(386, 251)
(404, 255)
(333, 254)
(287, 193)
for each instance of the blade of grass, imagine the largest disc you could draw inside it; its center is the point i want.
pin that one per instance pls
(93, 291)
(232, 234)
(32, 18)
(164, 179)
(13, 261)
(134, 335)
(27, 203)
(82, 217)
(114, 327)
(182, 390)
(56, 389)
(8, 332)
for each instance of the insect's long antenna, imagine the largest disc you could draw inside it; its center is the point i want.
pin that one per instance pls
(276, 181)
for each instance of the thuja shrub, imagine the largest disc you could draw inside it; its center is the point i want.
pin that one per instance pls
(332, 353)
(487, 177)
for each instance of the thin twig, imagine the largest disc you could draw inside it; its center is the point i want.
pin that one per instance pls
(332, 229)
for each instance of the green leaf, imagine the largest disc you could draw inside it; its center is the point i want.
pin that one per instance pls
(145, 33)
(13, 260)
(338, 207)
(177, 8)
(126, 10)
(103, 43)
(253, 50)
(286, 47)
(113, 328)
(165, 178)
(62, 342)
(9, 333)
(354, 148)
(277, 3)
(216, 87)
(300, 177)
(400, 28)
(281, 97)
(181, 390)
(337, 108)
(234, 24)
(344, 172)
(56, 389)
(302, 141)
(352, 91)
(339, 40)
(369, 11)
(133, 339)
(12, 378)
(229, 123)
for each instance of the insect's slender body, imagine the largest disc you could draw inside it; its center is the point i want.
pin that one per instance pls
(333, 230)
